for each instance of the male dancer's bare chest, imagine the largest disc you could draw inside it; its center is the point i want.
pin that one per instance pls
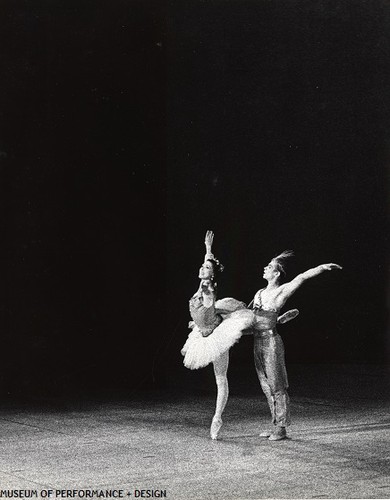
(269, 299)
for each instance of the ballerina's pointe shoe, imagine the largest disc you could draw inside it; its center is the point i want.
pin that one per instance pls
(216, 425)
(288, 316)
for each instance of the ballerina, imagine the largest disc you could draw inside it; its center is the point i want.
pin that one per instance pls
(216, 326)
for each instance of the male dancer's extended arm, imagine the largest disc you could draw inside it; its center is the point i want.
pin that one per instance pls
(287, 289)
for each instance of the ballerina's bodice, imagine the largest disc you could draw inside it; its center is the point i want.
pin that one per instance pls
(205, 318)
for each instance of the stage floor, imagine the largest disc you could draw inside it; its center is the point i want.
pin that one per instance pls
(338, 446)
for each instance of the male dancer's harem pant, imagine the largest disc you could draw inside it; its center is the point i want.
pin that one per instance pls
(272, 374)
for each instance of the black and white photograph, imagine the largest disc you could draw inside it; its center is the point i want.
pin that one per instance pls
(194, 254)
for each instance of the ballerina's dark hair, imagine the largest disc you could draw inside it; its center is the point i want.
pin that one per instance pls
(217, 266)
(279, 261)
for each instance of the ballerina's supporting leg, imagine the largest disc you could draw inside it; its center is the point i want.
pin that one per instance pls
(220, 371)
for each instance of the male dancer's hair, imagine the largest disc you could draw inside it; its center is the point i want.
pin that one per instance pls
(280, 261)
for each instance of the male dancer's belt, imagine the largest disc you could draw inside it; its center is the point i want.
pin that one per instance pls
(265, 333)
(264, 320)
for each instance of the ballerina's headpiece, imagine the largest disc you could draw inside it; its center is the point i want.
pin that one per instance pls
(217, 265)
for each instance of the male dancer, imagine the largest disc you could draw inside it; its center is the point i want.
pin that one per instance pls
(268, 345)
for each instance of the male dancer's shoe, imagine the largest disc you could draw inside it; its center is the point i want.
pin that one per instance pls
(265, 434)
(216, 425)
(278, 435)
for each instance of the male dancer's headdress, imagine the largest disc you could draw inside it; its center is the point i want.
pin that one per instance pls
(279, 260)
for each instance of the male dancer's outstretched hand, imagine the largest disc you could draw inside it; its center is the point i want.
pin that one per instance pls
(330, 267)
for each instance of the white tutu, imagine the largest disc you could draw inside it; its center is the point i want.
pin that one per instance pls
(228, 305)
(199, 351)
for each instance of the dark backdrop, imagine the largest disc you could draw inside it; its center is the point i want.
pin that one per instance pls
(129, 128)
